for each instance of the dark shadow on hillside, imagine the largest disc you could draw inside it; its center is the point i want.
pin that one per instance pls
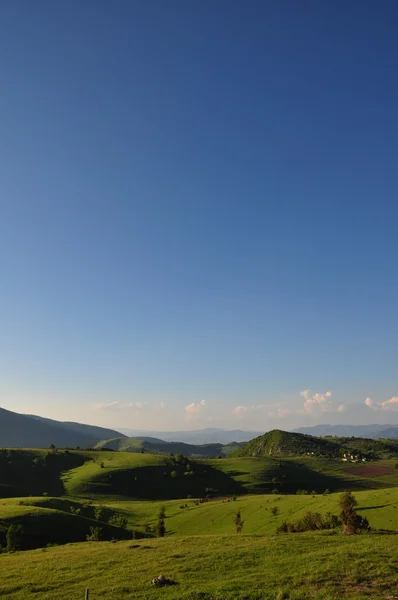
(295, 476)
(30, 473)
(60, 528)
(165, 482)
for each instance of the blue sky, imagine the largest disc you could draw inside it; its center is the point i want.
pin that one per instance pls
(199, 212)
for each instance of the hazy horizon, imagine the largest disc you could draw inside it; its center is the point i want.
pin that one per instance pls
(198, 213)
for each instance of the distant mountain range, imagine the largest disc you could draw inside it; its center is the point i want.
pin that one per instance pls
(209, 435)
(30, 431)
(149, 444)
(367, 431)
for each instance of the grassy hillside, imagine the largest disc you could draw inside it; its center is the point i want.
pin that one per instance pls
(283, 443)
(51, 521)
(233, 567)
(61, 520)
(95, 474)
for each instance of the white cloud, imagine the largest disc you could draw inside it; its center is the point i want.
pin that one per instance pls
(193, 410)
(240, 411)
(313, 404)
(316, 401)
(116, 405)
(390, 404)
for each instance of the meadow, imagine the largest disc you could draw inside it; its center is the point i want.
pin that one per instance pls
(233, 567)
(201, 551)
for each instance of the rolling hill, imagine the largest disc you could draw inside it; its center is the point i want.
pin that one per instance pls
(30, 431)
(283, 443)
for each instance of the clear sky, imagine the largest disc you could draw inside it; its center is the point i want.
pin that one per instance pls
(199, 211)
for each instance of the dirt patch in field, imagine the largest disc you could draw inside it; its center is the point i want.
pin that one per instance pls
(372, 471)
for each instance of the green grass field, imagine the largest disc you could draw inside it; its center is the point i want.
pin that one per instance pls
(234, 567)
(215, 516)
(201, 552)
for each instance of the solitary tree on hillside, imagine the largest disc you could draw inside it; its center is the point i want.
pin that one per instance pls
(352, 522)
(161, 528)
(238, 522)
(13, 536)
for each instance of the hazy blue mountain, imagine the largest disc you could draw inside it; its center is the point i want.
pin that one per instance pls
(148, 444)
(28, 431)
(89, 431)
(196, 436)
(368, 431)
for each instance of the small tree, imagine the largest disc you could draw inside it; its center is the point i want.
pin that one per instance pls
(94, 534)
(352, 522)
(99, 513)
(119, 521)
(13, 536)
(238, 522)
(161, 528)
(274, 511)
(162, 512)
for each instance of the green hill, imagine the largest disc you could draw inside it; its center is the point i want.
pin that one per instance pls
(283, 443)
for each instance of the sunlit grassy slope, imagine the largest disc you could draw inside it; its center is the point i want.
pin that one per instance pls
(149, 476)
(51, 518)
(156, 477)
(234, 567)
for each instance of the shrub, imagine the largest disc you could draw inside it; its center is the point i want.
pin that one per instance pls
(162, 512)
(326, 492)
(283, 527)
(274, 511)
(275, 491)
(311, 521)
(99, 513)
(173, 474)
(13, 537)
(161, 528)
(238, 522)
(234, 498)
(94, 534)
(119, 521)
(302, 492)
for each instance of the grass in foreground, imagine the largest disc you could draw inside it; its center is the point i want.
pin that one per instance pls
(237, 567)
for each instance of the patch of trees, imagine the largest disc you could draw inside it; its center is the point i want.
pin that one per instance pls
(311, 521)
(349, 520)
